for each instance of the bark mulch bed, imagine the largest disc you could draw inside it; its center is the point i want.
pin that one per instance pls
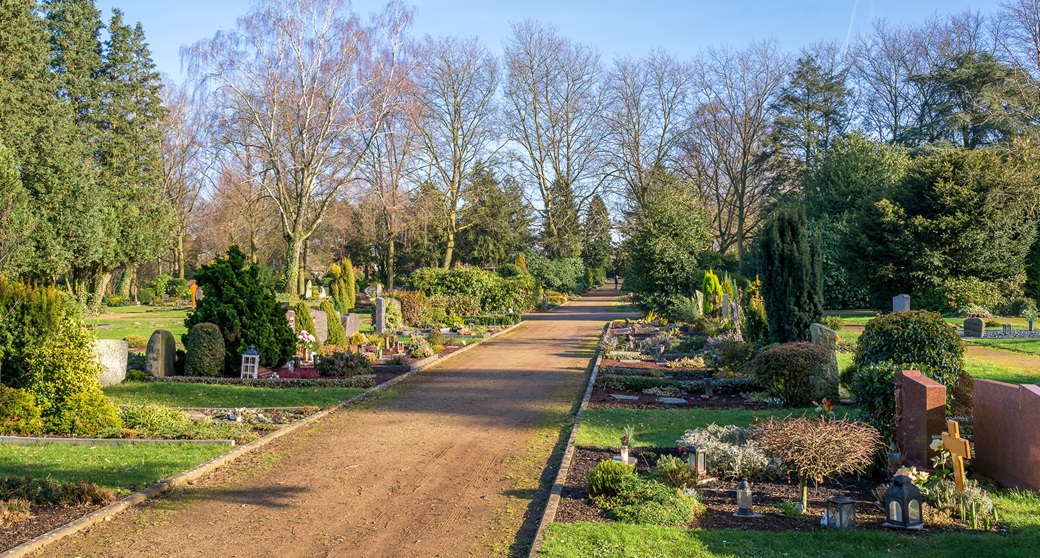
(719, 498)
(601, 399)
(44, 519)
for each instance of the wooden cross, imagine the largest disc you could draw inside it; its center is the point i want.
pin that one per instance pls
(959, 450)
(192, 288)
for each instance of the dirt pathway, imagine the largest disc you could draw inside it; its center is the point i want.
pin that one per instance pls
(1007, 359)
(449, 465)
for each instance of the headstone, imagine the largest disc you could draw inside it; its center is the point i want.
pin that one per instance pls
(1007, 433)
(323, 292)
(920, 416)
(374, 291)
(735, 314)
(901, 303)
(725, 305)
(700, 298)
(321, 325)
(974, 327)
(379, 318)
(308, 289)
(351, 324)
(160, 353)
(112, 354)
(165, 297)
(199, 294)
(290, 317)
(826, 337)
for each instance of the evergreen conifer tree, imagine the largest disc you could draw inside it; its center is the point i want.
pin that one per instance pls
(792, 280)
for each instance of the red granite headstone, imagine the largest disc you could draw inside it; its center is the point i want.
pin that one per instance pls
(920, 414)
(1007, 433)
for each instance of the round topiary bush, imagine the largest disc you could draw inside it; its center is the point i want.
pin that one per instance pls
(916, 340)
(606, 478)
(205, 351)
(794, 372)
(873, 389)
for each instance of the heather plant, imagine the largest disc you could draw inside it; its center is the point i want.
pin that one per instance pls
(607, 476)
(818, 448)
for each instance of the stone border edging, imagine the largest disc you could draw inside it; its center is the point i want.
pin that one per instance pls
(108, 512)
(27, 441)
(549, 515)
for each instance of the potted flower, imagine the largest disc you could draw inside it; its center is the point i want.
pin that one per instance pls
(306, 344)
(626, 438)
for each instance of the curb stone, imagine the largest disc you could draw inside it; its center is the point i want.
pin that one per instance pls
(108, 512)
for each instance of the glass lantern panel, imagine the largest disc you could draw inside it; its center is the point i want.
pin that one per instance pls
(895, 512)
(744, 499)
(913, 512)
(833, 516)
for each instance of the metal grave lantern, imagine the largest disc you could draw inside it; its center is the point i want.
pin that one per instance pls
(841, 512)
(695, 456)
(250, 363)
(903, 504)
(745, 500)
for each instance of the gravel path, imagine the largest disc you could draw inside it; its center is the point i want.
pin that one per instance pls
(448, 466)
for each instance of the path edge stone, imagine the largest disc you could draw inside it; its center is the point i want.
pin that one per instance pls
(549, 515)
(110, 511)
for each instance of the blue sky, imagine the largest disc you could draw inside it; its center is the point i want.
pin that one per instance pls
(614, 27)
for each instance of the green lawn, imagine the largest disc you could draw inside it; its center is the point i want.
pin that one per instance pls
(117, 323)
(661, 427)
(985, 371)
(1026, 346)
(588, 540)
(225, 396)
(122, 468)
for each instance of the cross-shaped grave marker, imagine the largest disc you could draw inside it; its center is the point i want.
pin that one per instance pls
(959, 450)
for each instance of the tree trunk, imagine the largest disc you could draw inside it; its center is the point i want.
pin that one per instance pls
(292, 265)
(803, 484)
(180, 255)
(303, 266)
(390, 255)
(449, 252)
(126, 281)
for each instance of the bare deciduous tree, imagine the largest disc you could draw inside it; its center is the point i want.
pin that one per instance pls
(647, 116)
(459, 79)
(304, 78)
(554, 98)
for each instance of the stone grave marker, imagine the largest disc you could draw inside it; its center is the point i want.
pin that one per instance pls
(379, 318)
(1007, 433)
(351, 324)
(160, 353)
(700, 298)
(323, 292)
(901, 303)
(321, 325)
(374, 291)
(112, 354)
(974, 327)
(290, 318)
(828, 339)
(307, 289)
(725, 306)
(920, 416)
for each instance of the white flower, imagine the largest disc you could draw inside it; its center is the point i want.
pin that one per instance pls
(936, 444)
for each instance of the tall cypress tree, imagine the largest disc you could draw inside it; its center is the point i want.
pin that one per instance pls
(792, 281)
(596, 245)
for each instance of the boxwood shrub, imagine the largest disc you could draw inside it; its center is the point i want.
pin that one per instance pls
(917, 340)
(873, 389)
(205, 350)
(794, 372)
(19, 413)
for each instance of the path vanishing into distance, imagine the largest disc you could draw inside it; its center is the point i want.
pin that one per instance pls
(451, 462)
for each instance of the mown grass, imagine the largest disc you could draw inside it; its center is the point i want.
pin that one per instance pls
(1024, 346)
(662, 427)
(124, 468)
(141, 321)
(590, 540)
(225, 396)
(986, 371)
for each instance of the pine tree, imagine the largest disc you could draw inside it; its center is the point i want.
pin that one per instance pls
(792, 280)
(596, 246)
(561, 237)
(812, 111)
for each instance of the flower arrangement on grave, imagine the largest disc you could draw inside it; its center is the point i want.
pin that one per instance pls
(626, 439)
(306, 343)
(347, 364)
(824, 409)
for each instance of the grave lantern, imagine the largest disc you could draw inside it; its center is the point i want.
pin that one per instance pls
(695, 457)
(841, 512)
(744, 500)
(903, 504)
(250, 363)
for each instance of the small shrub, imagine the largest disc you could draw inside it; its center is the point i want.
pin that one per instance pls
(818, 448)
(454, 322)
(436, 338)
(340, 364)
(712, 326)
(943, 496)
(648, 502)
(686, 309)
(19, 414)
(136, 341)
(754, 323)
(357, 339)
(794, 372)
(873, 389)
(916, 340)
(47, 491)
(135, 375)
(393, 318)
(676, 473)
(415, 307)
(437, 316)
(606, 478)
(834, 322)
(729, 353)
(730, 453)
(205, 351)
(13, 511)
(419, 348)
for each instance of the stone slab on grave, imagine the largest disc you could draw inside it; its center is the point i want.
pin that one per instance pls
(828, 339)
(351, 324)
(901, 303)
(113, 355)
(1007, 433)
(379, 317)
(920, 416)
(321, 325)
(974, 327)
(160, 353)
(622, 397)
(672, 400)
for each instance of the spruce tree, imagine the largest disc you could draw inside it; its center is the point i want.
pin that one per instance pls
(792, 281)
(596, 245)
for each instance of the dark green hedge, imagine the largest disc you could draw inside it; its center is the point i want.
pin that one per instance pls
(489, 320)
(205, 350)
(917, 340)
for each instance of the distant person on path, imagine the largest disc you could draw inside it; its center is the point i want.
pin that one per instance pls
(616, 280)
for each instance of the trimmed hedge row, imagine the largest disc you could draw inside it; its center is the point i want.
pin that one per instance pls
(363, 383)
(489, 320)
(721, 386)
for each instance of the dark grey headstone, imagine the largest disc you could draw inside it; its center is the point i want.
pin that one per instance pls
(826, 337)
(112, 354)
(321, 325)
(974, 327)
(351, 324)
(901, 303)
(379, 318)
(160, 353)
